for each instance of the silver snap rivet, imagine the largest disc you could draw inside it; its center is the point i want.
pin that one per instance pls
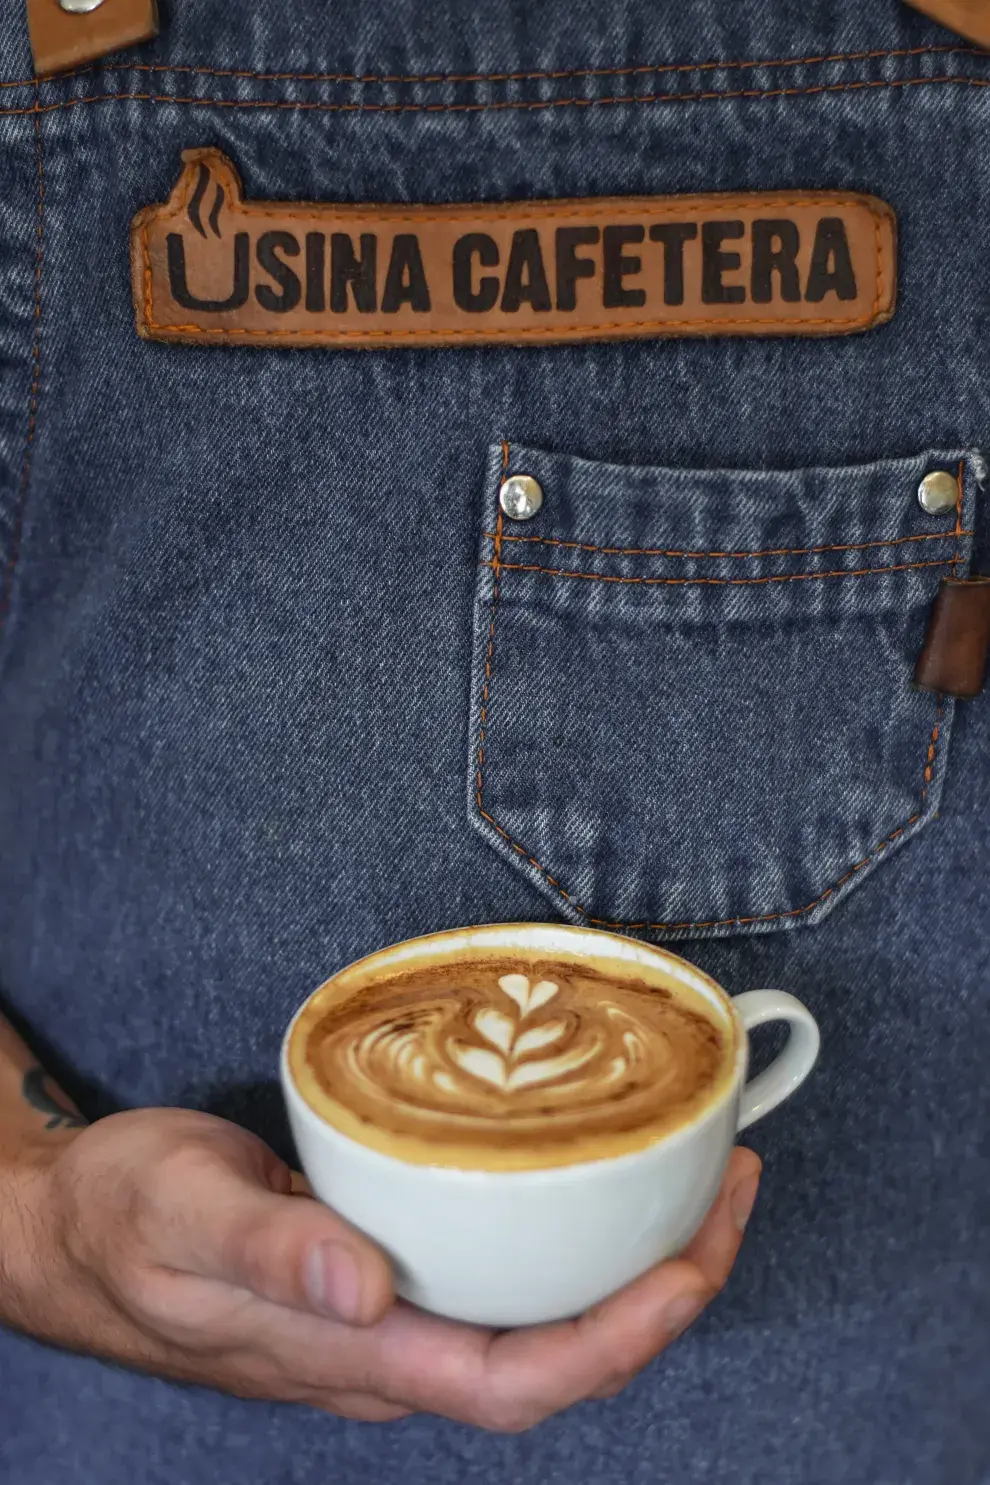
(80, 7)
(520, 497)
(938, 492)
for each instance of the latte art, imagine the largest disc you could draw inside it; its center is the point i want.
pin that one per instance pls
(506, 1066)
(509, 1058)
(425, 1056)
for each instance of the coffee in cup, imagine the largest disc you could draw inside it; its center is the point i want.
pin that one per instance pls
(510, 1061)
(527, 1116)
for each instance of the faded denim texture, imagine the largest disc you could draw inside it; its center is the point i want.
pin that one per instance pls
(692, 689)
(239, 678)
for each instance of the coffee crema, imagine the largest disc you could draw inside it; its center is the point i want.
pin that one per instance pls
(509, 1062)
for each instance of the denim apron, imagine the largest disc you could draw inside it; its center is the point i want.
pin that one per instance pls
(248, 600)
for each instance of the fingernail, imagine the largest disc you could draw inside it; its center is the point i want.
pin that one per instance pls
(683, 1312)
(743, 1199)
(333, 1283)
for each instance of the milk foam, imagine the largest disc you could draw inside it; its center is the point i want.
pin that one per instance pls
(508, 1062)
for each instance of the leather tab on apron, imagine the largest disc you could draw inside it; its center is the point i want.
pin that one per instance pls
(969, 18)
(68, 38)
(953, 658)
(210, 267)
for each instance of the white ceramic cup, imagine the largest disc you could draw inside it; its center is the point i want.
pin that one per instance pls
(506, 1248)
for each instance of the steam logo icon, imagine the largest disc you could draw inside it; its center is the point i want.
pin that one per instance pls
(196, 203)
(211, 264)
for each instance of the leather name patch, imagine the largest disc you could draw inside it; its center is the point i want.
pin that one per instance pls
(968, 17)
(212, 268)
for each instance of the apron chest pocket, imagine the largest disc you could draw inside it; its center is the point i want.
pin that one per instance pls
(691, 701)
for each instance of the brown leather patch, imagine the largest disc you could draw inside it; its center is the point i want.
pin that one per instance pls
(953, 659)
(969, 18)
(61, 39)
(212, 268)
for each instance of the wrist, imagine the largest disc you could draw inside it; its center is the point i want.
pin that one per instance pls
(28, 1230)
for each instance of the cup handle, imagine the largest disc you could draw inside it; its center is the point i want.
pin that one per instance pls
(789, 1070)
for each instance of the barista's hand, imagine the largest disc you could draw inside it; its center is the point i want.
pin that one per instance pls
(170, 1241)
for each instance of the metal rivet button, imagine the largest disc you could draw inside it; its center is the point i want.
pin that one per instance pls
(80, 7)
(938, 492)
(520, 496)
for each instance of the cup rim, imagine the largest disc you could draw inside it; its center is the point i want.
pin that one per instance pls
(702, 982)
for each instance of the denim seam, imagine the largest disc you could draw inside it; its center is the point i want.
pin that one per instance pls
(497, 567)
(24, 483)
(318, 106)
(438, 78)
(856, 546)
(720, 582)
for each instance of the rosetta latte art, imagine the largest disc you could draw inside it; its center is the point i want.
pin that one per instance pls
(535, 1054)
(516, 1055)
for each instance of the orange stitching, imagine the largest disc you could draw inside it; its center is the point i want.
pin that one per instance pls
(513, 333)
(878, 243)
(755, 917)
(499, 566)
(783, 577)
(498, 77)
(483, 715)
(861, 546)
(509, 104)
(710, 922)
(586, 207)
(933, 742)
(147, 274)
(25, 480)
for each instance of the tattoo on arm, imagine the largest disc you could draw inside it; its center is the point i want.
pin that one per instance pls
(39, 1097)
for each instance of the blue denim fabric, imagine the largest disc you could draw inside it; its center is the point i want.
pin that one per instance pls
(669, 736)
(239, 679)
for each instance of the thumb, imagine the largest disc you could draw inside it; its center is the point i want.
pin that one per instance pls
(227, 1222)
